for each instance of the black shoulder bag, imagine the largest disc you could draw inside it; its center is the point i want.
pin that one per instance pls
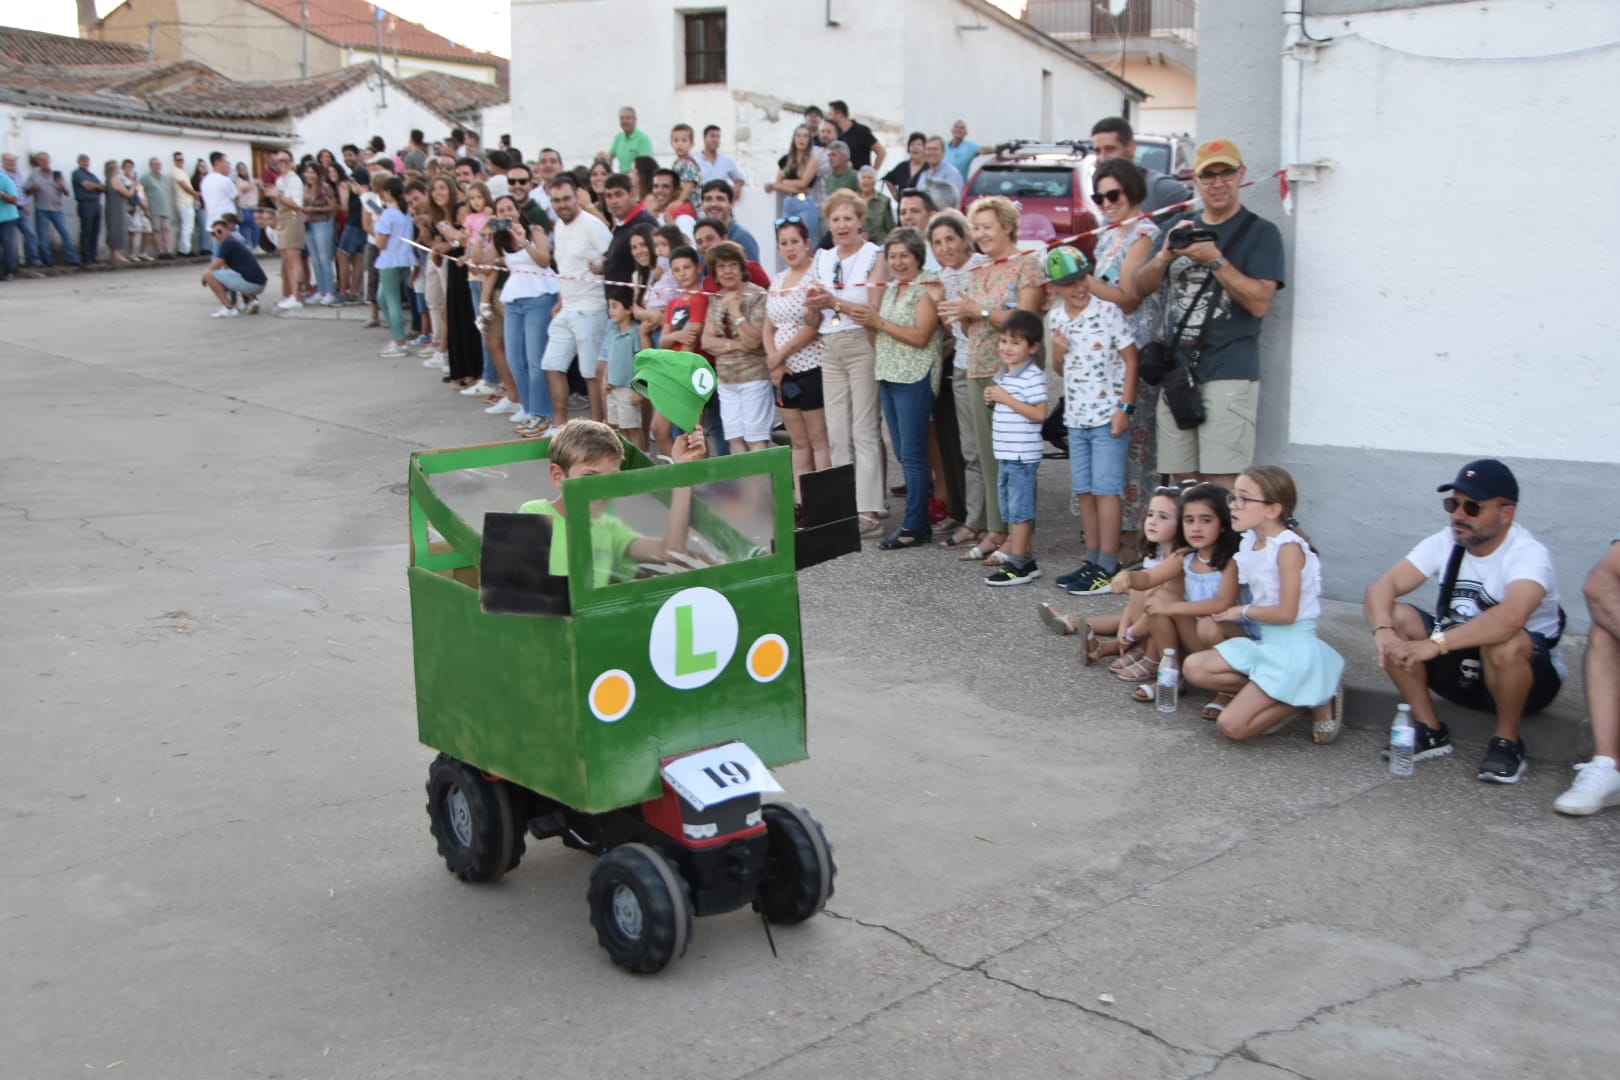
(1180, 386)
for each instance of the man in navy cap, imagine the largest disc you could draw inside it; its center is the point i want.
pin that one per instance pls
(1494, 644)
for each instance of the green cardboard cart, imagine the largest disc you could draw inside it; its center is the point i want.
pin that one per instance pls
(634, 711)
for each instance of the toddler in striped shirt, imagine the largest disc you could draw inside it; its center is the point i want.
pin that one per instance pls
(1018, 398)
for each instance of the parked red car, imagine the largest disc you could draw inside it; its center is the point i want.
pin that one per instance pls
(1051, 185)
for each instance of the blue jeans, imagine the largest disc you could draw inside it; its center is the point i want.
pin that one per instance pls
(318, 240)
(25, 222)
(8, 247)
(250, 227)
(1097, 460)
(528, 323)
(1015, 486)
(44, 221)
(89, 229)
(490, 374)
(907, 408)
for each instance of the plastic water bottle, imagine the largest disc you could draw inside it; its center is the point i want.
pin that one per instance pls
(1169, 681)
(1402, 740)
(1012, 296)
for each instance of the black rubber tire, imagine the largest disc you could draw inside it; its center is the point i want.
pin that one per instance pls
(661, 910)
(489, 841)
(802, 870)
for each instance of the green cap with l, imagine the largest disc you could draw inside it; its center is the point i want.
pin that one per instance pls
(679, 384)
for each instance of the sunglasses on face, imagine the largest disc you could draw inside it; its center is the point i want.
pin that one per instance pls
(1108, 196)
(1470, 507)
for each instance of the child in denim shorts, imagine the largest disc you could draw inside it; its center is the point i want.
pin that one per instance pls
(1018, 400)
(1095, 352)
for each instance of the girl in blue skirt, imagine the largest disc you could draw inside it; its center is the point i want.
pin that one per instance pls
(1288, 670)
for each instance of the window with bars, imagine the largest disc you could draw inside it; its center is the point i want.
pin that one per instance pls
(705, 47)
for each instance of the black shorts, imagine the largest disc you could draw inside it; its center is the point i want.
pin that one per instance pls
(808, 393)
(1459, 676)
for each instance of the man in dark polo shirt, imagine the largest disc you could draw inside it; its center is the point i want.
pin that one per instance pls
(864, 148)
(618, 192)
(234, 270)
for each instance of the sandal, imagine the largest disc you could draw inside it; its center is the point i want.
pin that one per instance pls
(905, 538)
(1139, 670)
(978, 552)
(1325, 731)
(1146, 693)
(1062, 624)
(1093, 647)
(997, 558)
(963, 535)
(1126, 656)
(1213, 710)
(869, 524)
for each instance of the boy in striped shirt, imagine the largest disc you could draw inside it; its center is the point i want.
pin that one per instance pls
(1018, 399)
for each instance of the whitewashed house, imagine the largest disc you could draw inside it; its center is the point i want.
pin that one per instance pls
(753, 66)
(1451, 279)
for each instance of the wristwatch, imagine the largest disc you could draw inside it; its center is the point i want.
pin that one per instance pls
(1439, 639)
(1220, 261)
(1127, 407)
(984, 314)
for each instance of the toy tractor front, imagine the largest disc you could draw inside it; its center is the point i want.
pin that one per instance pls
(634, 710)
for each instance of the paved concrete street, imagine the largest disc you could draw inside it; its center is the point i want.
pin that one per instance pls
(215, 862)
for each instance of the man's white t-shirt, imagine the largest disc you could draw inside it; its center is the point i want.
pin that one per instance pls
(575, 246)
(219, 196)
(1482, 583)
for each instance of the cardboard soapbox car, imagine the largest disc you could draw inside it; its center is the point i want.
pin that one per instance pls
(635, 711)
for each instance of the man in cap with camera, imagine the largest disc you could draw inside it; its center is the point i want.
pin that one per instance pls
(1223, 265)
(1492, 643)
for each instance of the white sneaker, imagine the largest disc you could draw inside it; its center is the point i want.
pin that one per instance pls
(479, 389)
(290, 302)
(392, 351)
(429, 350)
(442, 364)
(253, 307)
(1596, 786)
(326, 300)
(505, 405)
(431, 361)
(521, 418)
(225, 313)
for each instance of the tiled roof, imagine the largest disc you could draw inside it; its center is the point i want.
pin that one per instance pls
(261, 100)
(116, 93)
(353, 23)
(451, 94)
(33, 47)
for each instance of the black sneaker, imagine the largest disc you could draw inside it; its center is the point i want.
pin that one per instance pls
(1430, 743)
(1063, 581)
(1090, 579)
(1006, 574)
(1504, 761)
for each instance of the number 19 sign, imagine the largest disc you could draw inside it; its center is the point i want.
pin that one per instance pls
(719, 773)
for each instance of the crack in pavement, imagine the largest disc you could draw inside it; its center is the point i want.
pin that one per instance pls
(1101, 1014)
(1457, 974)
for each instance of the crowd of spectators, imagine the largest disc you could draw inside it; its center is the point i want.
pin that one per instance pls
(530, 287)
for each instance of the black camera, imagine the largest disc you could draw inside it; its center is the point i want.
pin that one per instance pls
(1180, 238)
(501, 224)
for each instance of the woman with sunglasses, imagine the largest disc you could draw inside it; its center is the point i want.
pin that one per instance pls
(1118, 187)
(851, 272)
(734, 334)
(793, 351)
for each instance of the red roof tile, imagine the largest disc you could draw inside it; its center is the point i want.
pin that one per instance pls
(353, 23)
(451, 94)
(33, 47)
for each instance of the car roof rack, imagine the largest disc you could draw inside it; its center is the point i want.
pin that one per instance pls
(1030, 147)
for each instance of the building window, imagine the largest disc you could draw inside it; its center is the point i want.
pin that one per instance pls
(705, 47)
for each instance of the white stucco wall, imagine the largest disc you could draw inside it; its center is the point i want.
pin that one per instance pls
(901, 65)
(1444, 284)
(359, 113)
